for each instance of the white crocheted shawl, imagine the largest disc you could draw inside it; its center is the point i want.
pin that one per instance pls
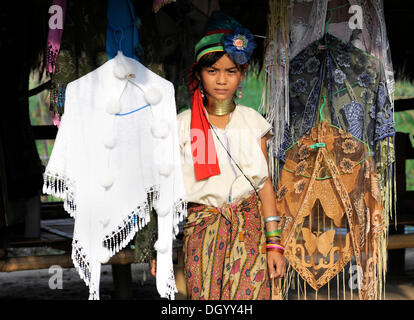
(117, 151)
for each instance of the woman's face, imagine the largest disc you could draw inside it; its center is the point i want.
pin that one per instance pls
(220, 81)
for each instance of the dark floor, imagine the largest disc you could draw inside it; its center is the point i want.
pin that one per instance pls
(34, 284)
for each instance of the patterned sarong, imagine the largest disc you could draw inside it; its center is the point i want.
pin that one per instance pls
(225, 252)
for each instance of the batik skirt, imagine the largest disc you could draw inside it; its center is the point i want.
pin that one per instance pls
(225, 252)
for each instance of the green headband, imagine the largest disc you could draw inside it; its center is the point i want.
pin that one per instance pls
(209, 43)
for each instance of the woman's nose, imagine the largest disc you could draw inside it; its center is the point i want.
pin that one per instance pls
(221, 78)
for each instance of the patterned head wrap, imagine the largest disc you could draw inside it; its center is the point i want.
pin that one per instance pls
(223, 33)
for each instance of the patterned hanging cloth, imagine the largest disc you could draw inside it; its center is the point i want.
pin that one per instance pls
(53, 42)
(335, 186)
(292, 26)
(55, 34)
(82, 48)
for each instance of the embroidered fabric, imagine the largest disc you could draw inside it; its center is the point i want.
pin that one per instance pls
(225, 255)
(330, 203)
(333, 199)
(374, 37)
(292, 27)
(347, 83)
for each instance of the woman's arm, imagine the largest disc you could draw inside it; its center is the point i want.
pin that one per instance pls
(275, 261)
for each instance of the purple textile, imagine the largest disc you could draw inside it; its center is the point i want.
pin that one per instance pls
(56, 23)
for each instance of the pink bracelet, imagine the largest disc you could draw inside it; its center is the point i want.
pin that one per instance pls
(275, 246)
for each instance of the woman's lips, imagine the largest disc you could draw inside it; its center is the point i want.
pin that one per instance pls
(221, 91)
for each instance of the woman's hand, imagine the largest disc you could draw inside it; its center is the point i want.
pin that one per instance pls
(276, 264)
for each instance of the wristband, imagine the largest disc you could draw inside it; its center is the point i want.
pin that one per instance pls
(275, 246)
(273, 233)
(273, 240)
(272, 218)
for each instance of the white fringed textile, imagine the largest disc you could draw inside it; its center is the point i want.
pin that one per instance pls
(109, 170)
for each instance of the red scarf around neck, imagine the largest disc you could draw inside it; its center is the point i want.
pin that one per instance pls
(202, 144)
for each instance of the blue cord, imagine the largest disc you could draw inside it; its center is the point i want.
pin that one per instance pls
(124, 114)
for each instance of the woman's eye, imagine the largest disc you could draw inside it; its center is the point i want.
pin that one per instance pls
(211, 71)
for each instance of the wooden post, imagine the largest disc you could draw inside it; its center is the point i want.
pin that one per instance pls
(122, 277)
(396, 257)
(35, 262)
(63, 260)
(400, 241)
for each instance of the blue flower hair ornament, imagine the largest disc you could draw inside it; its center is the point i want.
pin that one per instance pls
(239, 45)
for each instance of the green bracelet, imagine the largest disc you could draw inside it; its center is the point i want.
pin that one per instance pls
(273, 233)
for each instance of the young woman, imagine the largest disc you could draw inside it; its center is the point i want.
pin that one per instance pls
(231, 236)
